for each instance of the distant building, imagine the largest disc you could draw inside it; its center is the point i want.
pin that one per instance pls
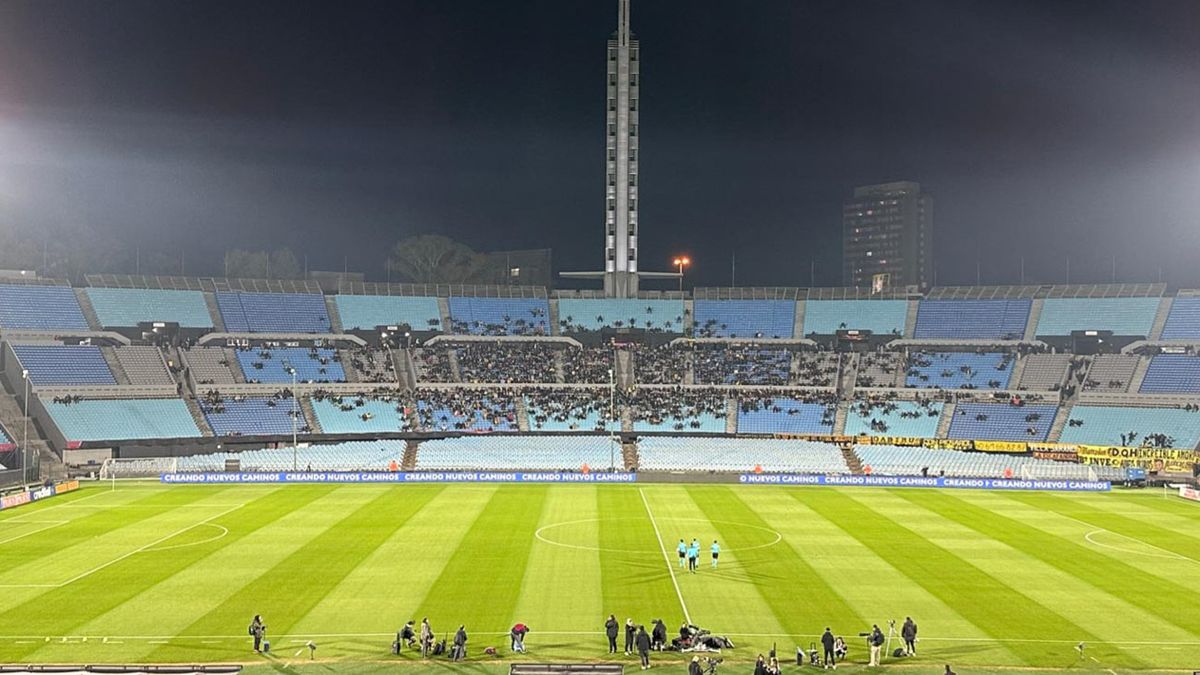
(887, 236)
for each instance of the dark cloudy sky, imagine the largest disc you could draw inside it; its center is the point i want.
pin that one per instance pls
(1045, 129)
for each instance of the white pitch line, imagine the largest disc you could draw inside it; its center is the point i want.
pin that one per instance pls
(48, 524)
(667, 558)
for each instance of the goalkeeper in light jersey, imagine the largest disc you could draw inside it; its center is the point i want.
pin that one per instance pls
(682, 553)
(716, 551)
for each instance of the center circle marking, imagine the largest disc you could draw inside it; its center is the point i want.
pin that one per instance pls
(544, 539)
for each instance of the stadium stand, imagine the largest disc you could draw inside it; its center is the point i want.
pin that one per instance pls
(503, 363)
(1044, 372)
(6, 441)
(1111, 425)
(127, 307)
(371, 365)
(1183, 322)
(589, 365)
(566, 410)
(701, 411)
(273, 312)
(499, 316)
(44, 308)
(251, 416)
(582, 314)
(466, 410)
(972, 319)
(433, 365)
(365, 312)
(739, 454)
(1172, 374)
(270, 365)
(538, 453)
(879, 369)
(64, 365)
(817, 369)
(882, 317)
(210, 365)
(360, 415)
(662, 364)
(782, 415)
(882, 417)
(347, 456)
(1123, 316)
(1002, 421)
(890, 460)
(122, 419)
(143, 365)
(742, 365)
(745, 318)
(1111, 372)
(958, 370)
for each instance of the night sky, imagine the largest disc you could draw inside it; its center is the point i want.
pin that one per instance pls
(1043, 129)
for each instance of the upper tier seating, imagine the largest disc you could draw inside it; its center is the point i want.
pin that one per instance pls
(537, 453)
(45, 308)
(273, 312)
(817, 369)
(127, 307)
(360, 415)
(737, 364)
(270, 365)
(1172, 374)
(1104, 425)
(784, 416)
(210, 365)
(1044, 372)
(58, 365)
(893, 418)
(1111, 372)
(958, 370)
(1002, 422)
(143, 365)
(1183, 322)
(575, 315)
(745, 318)
(372, 365)
(890, 460)
(348, 456)
(500, 316)
(972, 319)
(881, 317)
(879, 369)
(122, 419)
(1123, 316)
(365, 312)
(236, 416)
(739, 454)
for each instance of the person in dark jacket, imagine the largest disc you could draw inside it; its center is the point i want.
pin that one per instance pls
(642, 641)
(408, 635)
(610, 630)
(694, 667)
(876, 640)
(827, 644)
(909, 632)
(760, 665)
(460, 644)
(630, 632)
(258, 629)
(658, 640)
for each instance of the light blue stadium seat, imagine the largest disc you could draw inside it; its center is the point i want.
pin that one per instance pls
(972, 319)
(510, 453)
(445, 419)
(57, 365)
(901, 418)
(956, 370)
(659, 453)
(273, 369)
(378, 455)
(576, 314)
(1003, 422)
(500, 316)
(745, 318)
(793, 417)
(1172, 374)
(881, 317)
(253, 417)
(1123, 316)
(127, 307)
(742, 366)
(273, 312)
(40, 308)
(123, 419)
(383, 416)
(1104, 425)
(365, 312)
(1183, 322)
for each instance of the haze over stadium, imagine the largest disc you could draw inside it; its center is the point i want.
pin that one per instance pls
(317, 334)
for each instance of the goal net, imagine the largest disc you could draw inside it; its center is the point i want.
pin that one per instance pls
(144, 467)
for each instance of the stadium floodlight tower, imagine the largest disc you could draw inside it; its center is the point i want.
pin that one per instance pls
(25, 430)
(295, 402)
(620, 273)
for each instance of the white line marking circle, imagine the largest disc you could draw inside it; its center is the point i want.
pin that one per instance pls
(1169, 555)
(221, 535)
(778, 537)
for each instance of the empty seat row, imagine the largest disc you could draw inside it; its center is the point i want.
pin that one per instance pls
(1002, 422)
(41, 308)
(958, 370)
(1105, 425)
(274, 365)
(537, 453)
(972, 319)
(500, 316)
(63, 365)
(143, 365)
(1123, 316)
(575, 315)
(745, 318)
(235, 416)
(366, 312)
(881, 317)
(123, 419)
(128, 307)
(893, 418)
(784, 416)
(740, 454)
(273, 312)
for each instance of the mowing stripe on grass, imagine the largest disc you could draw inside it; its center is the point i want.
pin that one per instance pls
(981, 598)
(62, 611)
(662, 548)
(1138, 588)
(633, 577)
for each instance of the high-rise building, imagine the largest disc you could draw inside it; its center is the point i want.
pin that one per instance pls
(887, 236)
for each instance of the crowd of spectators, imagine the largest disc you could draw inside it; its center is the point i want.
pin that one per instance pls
(372, 365)
(434, 365)
(572, 408)
(684, 406)
(589, 365)
(878, 369)
(776, 402)
(506, 362)
(660, 364)
(741, 364)
(459, 409)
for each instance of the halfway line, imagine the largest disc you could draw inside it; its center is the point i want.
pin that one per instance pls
(667, 558)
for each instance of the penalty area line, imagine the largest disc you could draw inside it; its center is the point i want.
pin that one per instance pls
(666, 558)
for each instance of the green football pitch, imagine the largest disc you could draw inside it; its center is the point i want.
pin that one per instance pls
(150, 573)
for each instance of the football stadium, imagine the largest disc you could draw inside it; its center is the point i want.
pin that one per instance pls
(553, 472)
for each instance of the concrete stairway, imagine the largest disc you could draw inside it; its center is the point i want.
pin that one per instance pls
(624, 374)
(1018, 369)
(629, 453)
(555, 329)
(409, 463)
(89, 312)
(910, 319)
(1139, 374)
(522, 413)
(1060, 422)
(406, 369)
(235, 366)
(444, 313)
(798, 324)
(1035, 315)
(839, 418)
(335, 319)
(118, 371)
(310, 415)
(198, 416)
(731, 415)
(943, 428)
(560, 372)
(1160, 319)
(452, 359)
(214, 312)
(852, 460)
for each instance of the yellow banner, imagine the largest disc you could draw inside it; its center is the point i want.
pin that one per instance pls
(69, 486)
(1001, 446)
(1174, 460)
